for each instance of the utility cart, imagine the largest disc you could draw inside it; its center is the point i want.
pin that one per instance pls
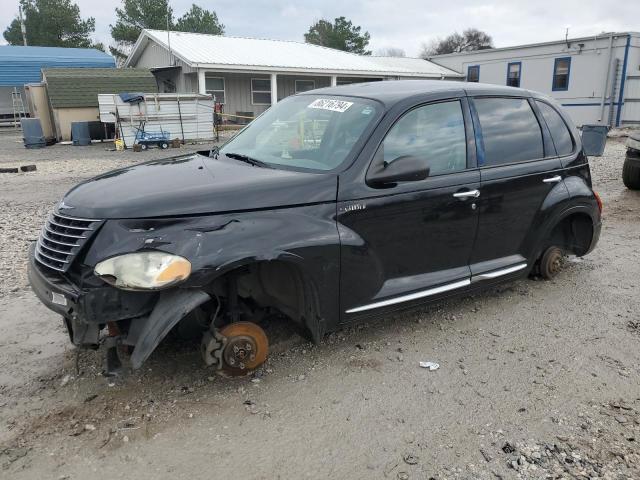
(145, 139)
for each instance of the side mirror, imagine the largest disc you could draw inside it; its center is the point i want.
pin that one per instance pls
(406, 168)
(594, 139)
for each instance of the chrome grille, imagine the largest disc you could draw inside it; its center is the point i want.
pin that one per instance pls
(62, 238)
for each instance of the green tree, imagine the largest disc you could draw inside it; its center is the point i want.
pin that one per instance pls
(133, 17)
(51, 23)
(199, 20)
(341, 35)
(471, 39)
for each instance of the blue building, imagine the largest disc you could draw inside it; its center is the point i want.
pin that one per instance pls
(21, 65)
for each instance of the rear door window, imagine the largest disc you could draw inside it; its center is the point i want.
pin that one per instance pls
(560, 134)
(434, 133)
(510, 131)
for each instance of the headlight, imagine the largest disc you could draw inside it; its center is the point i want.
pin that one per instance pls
(144, 270)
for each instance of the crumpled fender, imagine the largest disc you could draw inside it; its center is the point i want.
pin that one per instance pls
(172, 307)
(305, 237)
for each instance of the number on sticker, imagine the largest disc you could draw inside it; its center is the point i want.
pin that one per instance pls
(340, 106)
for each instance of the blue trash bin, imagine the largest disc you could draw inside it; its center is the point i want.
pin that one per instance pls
(80, 133)
(32, 133)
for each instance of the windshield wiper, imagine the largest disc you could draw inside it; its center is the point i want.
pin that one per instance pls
(247, 159)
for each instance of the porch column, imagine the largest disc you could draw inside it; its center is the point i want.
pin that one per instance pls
(274, 88)
(202, 85)
(334, 80)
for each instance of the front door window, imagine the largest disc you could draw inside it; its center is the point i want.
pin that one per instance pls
(433, 133)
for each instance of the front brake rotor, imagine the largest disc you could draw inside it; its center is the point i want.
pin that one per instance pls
(245, 349)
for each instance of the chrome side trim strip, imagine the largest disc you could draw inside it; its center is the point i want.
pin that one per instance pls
(498, 273)
(555, 179)
(412, 296)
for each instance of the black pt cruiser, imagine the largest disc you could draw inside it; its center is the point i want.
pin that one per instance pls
(334, 205)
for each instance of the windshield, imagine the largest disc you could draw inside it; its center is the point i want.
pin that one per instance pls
(307, 131)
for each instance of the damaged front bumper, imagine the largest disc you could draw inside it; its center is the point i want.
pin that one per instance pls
(145, 317)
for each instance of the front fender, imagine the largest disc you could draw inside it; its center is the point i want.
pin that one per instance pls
(306, 237)
(172, 307)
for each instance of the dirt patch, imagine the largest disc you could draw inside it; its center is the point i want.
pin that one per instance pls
(366, 364)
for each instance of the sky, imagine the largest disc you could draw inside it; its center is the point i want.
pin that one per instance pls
(405, 24)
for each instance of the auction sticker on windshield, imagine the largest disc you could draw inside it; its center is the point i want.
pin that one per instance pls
(334, 105)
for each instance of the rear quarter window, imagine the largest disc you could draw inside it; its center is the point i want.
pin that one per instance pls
(560, 134)
(510, 130)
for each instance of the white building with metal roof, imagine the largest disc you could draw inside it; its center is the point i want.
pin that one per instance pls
(247, 74)
(597, 78)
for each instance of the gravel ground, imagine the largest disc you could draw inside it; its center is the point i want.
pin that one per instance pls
(536, 379)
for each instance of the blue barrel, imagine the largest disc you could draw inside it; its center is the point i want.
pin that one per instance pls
(32, 133)
(80, 133)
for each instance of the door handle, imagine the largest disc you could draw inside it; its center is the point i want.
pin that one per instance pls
(467, 194)
(555, 179)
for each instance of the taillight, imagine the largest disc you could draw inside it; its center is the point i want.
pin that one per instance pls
(599, 200)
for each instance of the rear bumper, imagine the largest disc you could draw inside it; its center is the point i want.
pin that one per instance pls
(597, 228)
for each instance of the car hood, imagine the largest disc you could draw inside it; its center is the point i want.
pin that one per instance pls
(192, 185)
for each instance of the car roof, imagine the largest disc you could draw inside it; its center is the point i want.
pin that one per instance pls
(392, 91)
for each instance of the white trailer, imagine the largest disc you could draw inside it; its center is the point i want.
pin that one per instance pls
(597, 79)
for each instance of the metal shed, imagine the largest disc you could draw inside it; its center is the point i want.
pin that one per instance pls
(73, 92)
(20, 65)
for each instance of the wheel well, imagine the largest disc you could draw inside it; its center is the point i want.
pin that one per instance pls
(573, 234)
(264, 287)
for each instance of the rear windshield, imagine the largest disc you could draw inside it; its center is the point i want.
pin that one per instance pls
(306, 132)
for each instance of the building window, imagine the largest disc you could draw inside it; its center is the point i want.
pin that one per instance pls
(473, 73)
(513, 74)
(261, 91)
(168, 86)
(561, 71)
(350, 81)
(214, 86)
(305, 85)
